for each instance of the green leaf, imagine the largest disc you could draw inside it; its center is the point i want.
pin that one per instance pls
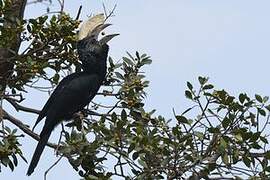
(131, 147)
(8, 129)
(189, 85)
(188, 94)
(239, 137)
(56, 78)
(202, 80)
(29, 29)
(246, 161)
(53, 19)
(267, 169)
(223, 143)
(226, 122)
(13, 91)
(134, 171)
(14, 131)
(265, 99)
(5, 161)
(261, 112)
(235, 156)
(256, 146)
(137, 55)
(214, 130)
(33, 21)
(242, 97)
(42, 19)
(267, 154)
(225, 158)
(181, 119)
(142, 163)
(111, 61)
(175, 131)
(15, 160)
(123, 115)
(263, 139)
(259, 98)
(119, 75)
(128, 61)
(208, 86)
(92, 177)
(135, 155)
(187, 110)
(146, 61)
(114, 117)
(255, 136)
(143, 55)
(11, 166)
(268, 107)
(130, 56)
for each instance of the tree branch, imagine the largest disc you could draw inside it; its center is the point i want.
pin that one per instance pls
(19, 107)
(25, 128)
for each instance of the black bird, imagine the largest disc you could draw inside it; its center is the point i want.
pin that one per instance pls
(76, 90)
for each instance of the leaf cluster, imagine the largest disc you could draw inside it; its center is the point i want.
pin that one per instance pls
(10, 148)
(49, 40)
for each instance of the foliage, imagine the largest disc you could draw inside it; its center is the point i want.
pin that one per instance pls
(225, 137)
(218, 136)
(10, 148)
(50, 43)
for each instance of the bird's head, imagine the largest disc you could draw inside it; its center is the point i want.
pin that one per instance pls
(89, 32)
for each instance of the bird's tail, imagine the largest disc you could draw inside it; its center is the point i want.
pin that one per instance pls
(44, 136)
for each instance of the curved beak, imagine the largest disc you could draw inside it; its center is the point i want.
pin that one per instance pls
(93, 27)
(97, 30)
(106, 39)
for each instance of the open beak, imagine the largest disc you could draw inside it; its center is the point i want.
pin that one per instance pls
(107, 38)
(93, 27)
(97, 30)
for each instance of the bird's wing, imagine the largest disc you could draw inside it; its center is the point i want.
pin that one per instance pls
(75, 96)
(72, 94)
(64, 83)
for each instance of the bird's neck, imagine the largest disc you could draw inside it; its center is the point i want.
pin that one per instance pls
(92, 67)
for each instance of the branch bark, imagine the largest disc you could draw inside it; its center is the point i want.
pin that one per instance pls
(19, 107)
(25, 128)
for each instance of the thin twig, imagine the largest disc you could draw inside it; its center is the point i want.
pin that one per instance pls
(79, 13)
(107, 16)
(1, 112)
(54, 164)
(62, 4)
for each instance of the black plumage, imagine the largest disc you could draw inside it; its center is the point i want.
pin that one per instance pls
(75, 91)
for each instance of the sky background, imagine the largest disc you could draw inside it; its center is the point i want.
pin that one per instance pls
(227, 41)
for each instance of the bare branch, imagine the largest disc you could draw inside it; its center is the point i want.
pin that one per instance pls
(62, 5)
(54, 164)
(19, 107)
(107, 16)
(24, 128)
(79, 13)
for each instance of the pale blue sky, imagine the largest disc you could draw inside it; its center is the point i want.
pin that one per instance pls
(227, 41)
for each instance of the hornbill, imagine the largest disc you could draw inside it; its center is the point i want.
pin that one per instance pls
(76, 90)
